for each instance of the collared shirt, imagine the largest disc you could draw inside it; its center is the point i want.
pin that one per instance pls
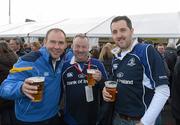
(54, 62)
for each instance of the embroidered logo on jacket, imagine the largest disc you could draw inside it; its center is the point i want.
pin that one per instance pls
(115, 66)
(70, 74)
(120, 74)
(81, 76)
(46, 73)
(131, 62)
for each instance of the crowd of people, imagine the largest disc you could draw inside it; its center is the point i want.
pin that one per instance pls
(74, 91)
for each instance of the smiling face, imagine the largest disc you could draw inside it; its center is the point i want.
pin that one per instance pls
(122, 34)
(161, 48)
(14, 45)
(81, 49)
(55, 43)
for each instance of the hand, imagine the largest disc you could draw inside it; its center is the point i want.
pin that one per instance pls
(106, 96)
(139, 123)
(28, 88)
(97, 75)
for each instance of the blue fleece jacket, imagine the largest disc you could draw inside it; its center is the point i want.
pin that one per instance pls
(34, 64)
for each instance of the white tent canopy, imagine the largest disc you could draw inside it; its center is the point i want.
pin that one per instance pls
(73, 26)
(151, 25)
(9, 27)
(24, 29)
(157, 25)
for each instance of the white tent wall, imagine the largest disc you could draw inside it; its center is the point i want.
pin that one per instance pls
(26, 28)
(149, 26)
(30, 39)
(72, 26)
(9, 27)
(21, 31)
(93, 42)
(157, 25)
(173, 41)
(146, 26)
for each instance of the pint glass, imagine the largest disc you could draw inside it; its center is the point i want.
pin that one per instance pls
(39, 82)
(90, 79)
(111, 89)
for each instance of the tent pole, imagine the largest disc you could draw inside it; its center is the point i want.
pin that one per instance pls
(9, 11)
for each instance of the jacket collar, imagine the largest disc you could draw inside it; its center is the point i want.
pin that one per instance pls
(46, 55)
(121, 54)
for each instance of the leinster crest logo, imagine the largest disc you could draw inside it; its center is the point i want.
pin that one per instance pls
(115, 66)
(70, 74)
(131, 62)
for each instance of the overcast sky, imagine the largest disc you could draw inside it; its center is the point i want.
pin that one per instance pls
(44, 10)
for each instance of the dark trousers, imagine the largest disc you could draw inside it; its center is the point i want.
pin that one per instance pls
(56, 120)
(7, 116)
(177, 121)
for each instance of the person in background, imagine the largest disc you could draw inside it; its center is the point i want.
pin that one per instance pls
(82, 101)
(170, 56)
(16, 45)
(161, 50)
(27, 47)
(175, 90)
(69, 52)
(142, 88)
(106, 57)
(35, 46)
(7, 59)
(95, 51)
(46, 62)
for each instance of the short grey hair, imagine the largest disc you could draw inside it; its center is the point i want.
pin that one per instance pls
(82, 36)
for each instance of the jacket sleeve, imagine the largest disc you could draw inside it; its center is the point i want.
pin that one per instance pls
(160, 97)
(11, 87)
(154, 68)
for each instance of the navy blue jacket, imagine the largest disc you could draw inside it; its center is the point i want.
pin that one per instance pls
(137, 74)
(77, 109)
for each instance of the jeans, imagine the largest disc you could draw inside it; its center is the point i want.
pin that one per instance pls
(120, 121)
(158, 120)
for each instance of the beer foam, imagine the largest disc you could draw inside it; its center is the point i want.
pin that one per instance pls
(37, 79)
(91, 71)
(111, 84)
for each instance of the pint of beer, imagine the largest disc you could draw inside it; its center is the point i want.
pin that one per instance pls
(111, 89)
(39, 82)
(90, 79)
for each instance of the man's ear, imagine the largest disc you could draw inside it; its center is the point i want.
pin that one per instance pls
(132, 30)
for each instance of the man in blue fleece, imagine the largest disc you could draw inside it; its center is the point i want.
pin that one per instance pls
(46, 62)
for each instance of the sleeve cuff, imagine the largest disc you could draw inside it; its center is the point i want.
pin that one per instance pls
(19, 87)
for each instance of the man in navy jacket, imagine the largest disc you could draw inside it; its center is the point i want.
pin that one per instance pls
(82, 101)
(142, 88)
